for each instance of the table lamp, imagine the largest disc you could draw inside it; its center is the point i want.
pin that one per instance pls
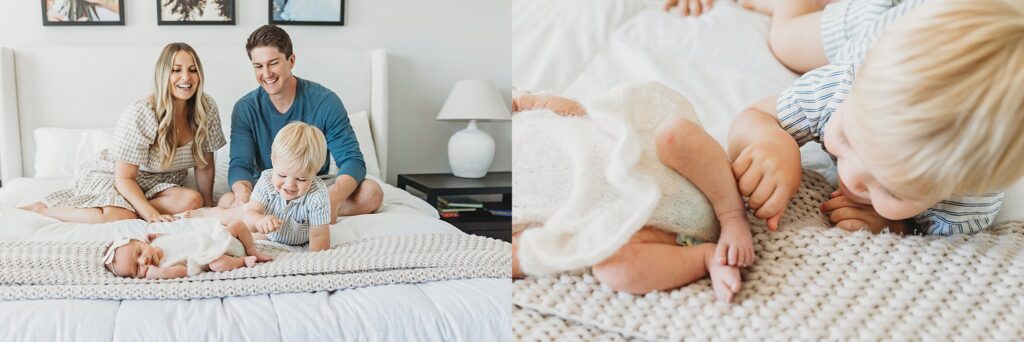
(471, 151)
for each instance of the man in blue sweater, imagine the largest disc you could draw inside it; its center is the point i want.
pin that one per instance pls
(283, 98)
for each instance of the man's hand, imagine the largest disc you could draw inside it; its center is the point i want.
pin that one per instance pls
(768, 172)
(242, 190)
(852, 216)
(268, 224)
(688, 7)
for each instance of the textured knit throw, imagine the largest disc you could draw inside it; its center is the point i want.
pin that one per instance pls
(57, 269)
(588, 184)
(809, 283)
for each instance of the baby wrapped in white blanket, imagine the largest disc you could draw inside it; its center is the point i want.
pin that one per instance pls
(585, 186)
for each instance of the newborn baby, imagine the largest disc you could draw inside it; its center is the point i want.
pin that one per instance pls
(206, 246)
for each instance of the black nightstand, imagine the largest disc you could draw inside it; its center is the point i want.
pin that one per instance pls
(442, 184)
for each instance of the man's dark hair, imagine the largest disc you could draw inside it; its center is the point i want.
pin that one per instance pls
(269, 35)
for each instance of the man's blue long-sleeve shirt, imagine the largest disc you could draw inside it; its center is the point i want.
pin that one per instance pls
(255, 121)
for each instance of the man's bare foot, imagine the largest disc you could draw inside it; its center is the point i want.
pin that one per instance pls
(759, 6)
(34, 207)
(725, 280)
(193, 213)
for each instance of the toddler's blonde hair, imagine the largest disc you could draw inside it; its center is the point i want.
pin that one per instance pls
(302, 144)
(942, 96)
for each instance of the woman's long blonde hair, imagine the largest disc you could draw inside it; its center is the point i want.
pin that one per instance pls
(163, 105)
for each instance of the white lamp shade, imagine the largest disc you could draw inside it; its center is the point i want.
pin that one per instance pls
(474, 100)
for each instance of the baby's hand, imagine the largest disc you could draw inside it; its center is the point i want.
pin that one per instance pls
(687, 7)
(852, 216)
(735, 245)
(768, 173)
(268, 224)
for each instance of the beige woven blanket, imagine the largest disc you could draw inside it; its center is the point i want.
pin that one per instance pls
(44, 270)
(809, 283)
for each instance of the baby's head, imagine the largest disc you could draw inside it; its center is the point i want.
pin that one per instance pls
(937, 108)
(131, 258)
(298, 152)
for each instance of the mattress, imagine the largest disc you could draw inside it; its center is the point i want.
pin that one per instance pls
(468, 309)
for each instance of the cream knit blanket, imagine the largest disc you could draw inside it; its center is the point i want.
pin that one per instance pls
(588, 184)
(57, 269)
(809, 282)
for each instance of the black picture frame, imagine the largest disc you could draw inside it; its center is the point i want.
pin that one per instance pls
(229, 6)
(271, 13)
(84, 8)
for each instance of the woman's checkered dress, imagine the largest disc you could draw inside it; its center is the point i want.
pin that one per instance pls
(133, 143)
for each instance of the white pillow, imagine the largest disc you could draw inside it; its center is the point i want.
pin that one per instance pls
(1013, 205)
(59, 151)
(360, 122)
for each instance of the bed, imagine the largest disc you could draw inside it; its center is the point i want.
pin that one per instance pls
(57, 107)
(721, 62)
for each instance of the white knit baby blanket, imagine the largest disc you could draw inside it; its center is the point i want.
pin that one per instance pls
(59, 269)
(809, 283)
(586, 185)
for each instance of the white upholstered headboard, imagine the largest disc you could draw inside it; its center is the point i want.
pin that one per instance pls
(88, 87)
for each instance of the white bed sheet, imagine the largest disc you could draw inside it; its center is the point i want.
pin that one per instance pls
(467, 310)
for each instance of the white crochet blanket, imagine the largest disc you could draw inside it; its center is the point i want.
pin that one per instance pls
(59, 269)
(810, 282)
(587, 184)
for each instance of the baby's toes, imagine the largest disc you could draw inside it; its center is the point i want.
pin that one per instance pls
(250, 261)
(263, 257)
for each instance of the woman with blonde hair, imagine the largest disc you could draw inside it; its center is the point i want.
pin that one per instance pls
(155, 142)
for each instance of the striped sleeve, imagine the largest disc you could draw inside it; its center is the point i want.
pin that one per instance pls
(874, 17)
(960, 215)
(263, 191)
(318, 206)
(804, 108)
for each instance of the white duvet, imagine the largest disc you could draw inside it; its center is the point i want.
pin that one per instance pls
(470, 309)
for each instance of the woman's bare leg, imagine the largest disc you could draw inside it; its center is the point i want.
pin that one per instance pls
(177, 200)
(85, 215)
(652, 261)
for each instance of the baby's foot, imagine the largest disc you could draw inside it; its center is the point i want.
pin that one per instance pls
(725, 279)
(250, 261)
(262, 257)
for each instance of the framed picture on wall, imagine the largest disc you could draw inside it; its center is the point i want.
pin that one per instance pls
(83, 12)
(195, 12)
(307, 12)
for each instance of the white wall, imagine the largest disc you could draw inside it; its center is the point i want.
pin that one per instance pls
(431, 44)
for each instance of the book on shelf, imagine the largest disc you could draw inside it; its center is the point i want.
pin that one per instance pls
(444, 209)
(459, 202)
(501, 212)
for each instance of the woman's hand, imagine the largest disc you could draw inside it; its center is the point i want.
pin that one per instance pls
(156, 216)
(688, 7)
